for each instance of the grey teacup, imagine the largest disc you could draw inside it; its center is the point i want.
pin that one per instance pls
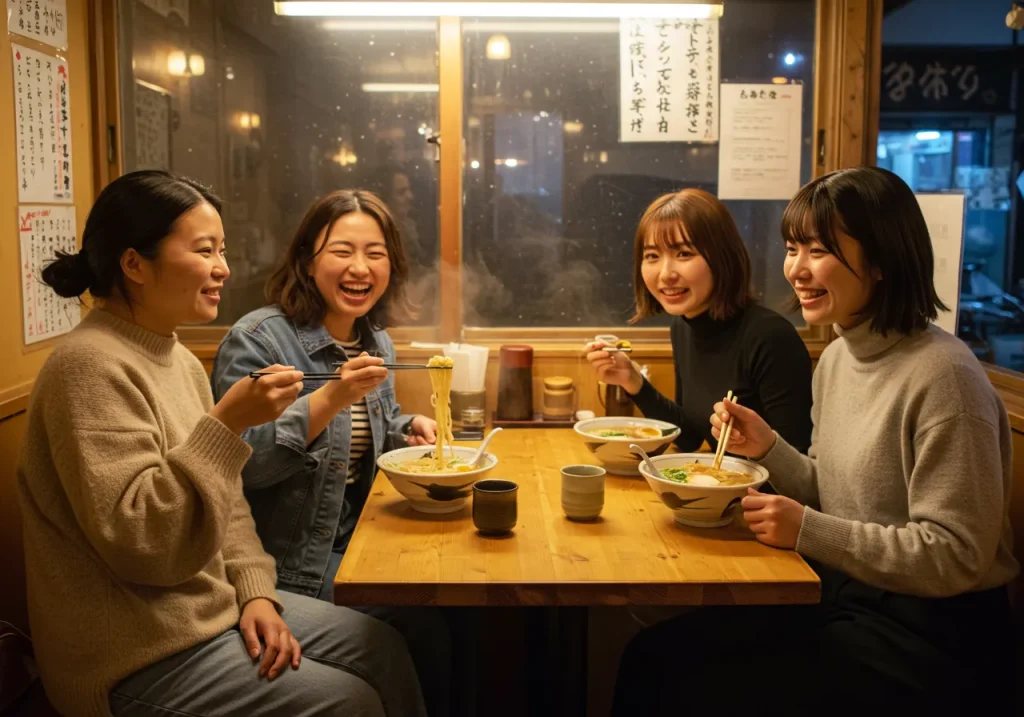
(582, 492)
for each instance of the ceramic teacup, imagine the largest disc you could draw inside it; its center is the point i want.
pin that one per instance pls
(582, 492)
(494, 506)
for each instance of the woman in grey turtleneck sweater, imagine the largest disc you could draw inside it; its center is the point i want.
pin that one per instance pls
(901, 504)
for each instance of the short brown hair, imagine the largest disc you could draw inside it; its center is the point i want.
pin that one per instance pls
(705, 224)
(292, 287)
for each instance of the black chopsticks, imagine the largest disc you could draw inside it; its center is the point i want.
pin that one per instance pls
(335, 377)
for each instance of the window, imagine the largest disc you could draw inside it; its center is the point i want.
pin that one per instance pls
(553, 197)
(540, 198)
(273, 112)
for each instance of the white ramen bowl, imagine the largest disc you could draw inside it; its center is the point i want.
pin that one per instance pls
(701, 506)
(435, 492)
(613, 452)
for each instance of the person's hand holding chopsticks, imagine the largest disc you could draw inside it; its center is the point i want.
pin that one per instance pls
(751, 436)
(252, 403)
(359, 376)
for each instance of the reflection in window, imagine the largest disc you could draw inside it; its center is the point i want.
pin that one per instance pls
(552, 196)
(273, 112)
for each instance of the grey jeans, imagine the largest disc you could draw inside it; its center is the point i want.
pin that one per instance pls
(352, 665)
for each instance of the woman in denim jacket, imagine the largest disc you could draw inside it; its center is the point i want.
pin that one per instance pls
(312, 468)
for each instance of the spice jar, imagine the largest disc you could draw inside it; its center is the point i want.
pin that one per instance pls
(515, 383)
(559, 398)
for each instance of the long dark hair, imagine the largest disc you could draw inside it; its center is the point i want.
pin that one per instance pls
(293, 288)
(135, 211)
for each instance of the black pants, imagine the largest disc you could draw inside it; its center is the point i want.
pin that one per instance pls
(860, 651)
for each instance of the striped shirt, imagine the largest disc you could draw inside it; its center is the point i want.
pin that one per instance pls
(362, 437)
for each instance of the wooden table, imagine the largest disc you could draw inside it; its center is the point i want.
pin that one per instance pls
(634, 555)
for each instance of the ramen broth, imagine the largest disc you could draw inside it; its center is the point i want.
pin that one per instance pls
(625, 432)
(700, 474)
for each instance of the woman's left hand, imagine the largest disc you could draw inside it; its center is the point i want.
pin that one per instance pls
(261, 622)
(775, 519)
(422, 431)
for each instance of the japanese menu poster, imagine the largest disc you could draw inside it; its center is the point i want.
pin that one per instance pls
(43, 231)
(42, 116)
(759, 156)
(43, 20)
(668, 80)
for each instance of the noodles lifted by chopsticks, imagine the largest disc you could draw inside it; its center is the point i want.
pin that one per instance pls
(440, 399)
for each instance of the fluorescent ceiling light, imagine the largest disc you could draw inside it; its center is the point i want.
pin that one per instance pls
(508, 27)
(577, 10)
(399, 87)
(928, 135)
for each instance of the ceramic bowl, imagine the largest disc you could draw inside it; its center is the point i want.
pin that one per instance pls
(613, 452)
(702, 506)
(434, 492)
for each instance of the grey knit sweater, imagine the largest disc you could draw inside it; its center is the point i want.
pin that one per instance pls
(907, 482)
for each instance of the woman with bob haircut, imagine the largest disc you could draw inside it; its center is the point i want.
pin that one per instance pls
(901, 505)
(331, 299)
(149, 593)
(690, 262)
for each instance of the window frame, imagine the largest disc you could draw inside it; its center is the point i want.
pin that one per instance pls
(847, 57)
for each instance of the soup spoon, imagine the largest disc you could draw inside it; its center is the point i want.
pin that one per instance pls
(480, 451)
(647, 459)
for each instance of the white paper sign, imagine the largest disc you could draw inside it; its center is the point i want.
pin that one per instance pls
(668, 80)
(42, 115)
(42, 20)
(759, 155)
(43, 232)
(944, 215)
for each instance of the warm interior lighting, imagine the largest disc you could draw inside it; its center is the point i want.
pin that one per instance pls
(572, 127)
(254, 120)
(399, 87)
(507, 27)
(244, 120)
(498, 48)
(177, 64)
(197, 65)
(305, 8)
(779, 80)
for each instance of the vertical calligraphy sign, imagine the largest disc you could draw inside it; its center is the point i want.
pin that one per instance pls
(43, 114)
(42, 20)
(42, 232)
(668, 80)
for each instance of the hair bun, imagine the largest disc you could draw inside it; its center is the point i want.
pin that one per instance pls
(69, 275)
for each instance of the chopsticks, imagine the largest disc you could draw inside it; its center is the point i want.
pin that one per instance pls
(402, 366)
(613, 350)
(335, 377)
(724, 440)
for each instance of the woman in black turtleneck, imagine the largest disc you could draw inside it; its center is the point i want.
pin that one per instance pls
(691, 263)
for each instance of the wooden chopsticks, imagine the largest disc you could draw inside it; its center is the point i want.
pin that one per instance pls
(335, 377)
(724, 439)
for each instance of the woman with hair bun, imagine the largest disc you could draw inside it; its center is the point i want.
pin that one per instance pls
(149, 591)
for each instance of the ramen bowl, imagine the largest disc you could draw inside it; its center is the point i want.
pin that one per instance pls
(613, 451)
(444, 492)
(702, 506)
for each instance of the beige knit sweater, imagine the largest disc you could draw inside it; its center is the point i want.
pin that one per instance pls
(138, 541)
(907, 486)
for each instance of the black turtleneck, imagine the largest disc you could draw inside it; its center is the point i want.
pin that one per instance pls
(757, 354)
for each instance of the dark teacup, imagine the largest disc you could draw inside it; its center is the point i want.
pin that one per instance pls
(494, 506)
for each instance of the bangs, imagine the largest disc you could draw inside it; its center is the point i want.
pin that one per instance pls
(666, 234)
(813, 217)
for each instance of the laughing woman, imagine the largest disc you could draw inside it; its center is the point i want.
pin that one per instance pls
(149, 593)
(901, 505)
(311, 470)
(690, 263)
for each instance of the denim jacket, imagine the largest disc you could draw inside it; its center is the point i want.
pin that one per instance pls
(296, 491)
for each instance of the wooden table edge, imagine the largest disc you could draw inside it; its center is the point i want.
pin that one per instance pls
(589, 593)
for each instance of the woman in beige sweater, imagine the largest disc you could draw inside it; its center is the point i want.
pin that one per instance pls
(901, 504)
(149, 592)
